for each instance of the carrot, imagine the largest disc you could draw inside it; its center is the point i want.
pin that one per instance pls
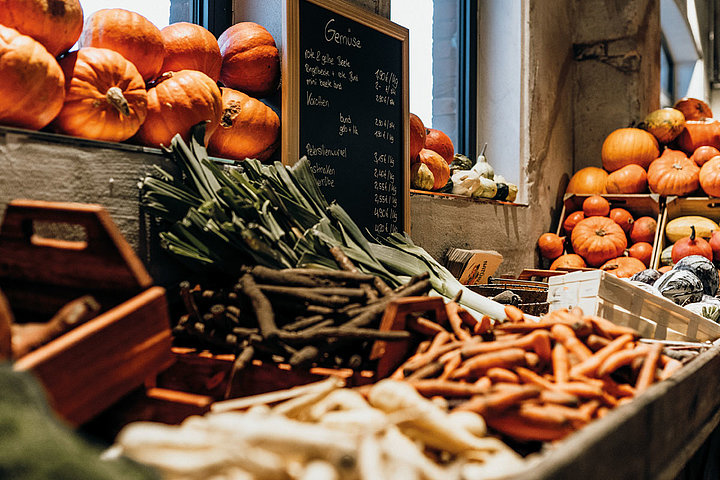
(566, 335)
(483, 382)
(424, 326)
(559, 398)
(532, 359)
(590, 365)
(532, 378)
(479, 364)
(444, 388)
(467, 319)
(618, 390)
(456, 323)
(577, 311)
(580, 389)
(580, 325)
(513, 425)
(450, 365)
(596, 342)
(542, 415)
(608, 329)
(423, 346)
(601, 411)
(560, 363)
(539, 341)
(620, 359)
(499, 400)
(428, 370)
(483, 326)
(647, 373)
(671, 366)
(514, 314)
(498, 374)
(590, 407)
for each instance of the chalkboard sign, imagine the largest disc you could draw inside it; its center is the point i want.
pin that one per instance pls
(345, 107)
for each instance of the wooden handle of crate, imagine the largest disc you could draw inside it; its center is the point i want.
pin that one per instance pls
(103, 260)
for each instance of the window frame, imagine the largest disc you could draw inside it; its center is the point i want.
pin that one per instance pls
(215, 15)
(467, 79)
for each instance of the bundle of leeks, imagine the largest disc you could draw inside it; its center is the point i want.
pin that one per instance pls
(274, 215)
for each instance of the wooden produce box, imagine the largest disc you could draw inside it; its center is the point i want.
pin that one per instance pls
(603, 294)
(679, 207)
(89, 368)
(640, 205)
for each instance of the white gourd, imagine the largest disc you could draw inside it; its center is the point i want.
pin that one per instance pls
(487, 188)
(482, 167)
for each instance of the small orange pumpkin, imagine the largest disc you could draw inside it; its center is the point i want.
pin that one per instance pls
(417, 136)
(623, 218)
(32, 85)
(105, 96)
(703, 154)
(673, 174)
(190, 47)
(568, 261)
(665, 268)
(643, 230)
(588, 180)
(623, 267)
(628, 179)
(129, 33)
(693, 108)
(437, 141)
(691, 245)
(595, 205)
(56, 24)
(642, 251)
(250, 59)
(551, 245)
(572, 220)
(437, 165)
(248, 128)
(597, 240)
(177, 102)
(626, 146)
(715, 244)
(699, 133)
(710, 177)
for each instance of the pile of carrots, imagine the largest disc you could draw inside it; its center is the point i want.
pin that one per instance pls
(534, 381)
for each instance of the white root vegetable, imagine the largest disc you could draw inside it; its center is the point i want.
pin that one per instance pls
(370, 459)
(502, 464)
(470, 421)
(340, 399)
(400, 449)
(365, 420)
(319, 470)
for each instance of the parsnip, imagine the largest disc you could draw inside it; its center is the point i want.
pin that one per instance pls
(370, 459)
(360, 421)
(340, 399)
(400, 449)
(319, 470)
(470, 421)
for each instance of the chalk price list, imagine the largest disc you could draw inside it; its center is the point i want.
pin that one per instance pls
(385, 194)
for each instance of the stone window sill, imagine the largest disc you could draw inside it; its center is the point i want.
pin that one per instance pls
(462, 198)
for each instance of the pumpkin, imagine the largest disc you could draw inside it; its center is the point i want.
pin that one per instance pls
(105, 96)
(188, 46)
(417, 138)
(666, 256)
(702, 154)
(643, 230)
(437, 141)
(572, 220)
(679, 227)
(250, 59)
(626, 146)
(628, 179)
(597, 240)
(648, 276)
(177, 102)
(710, 177)
(486, 189)
(673, 174)
(588, 180)
(704, 269)
(551, 245)
(437, 165)
(135, 37)
(623, 218)
(421, 177)
(715, 245)
(699, 133)
(680, 286)
(644, 286)
(664, 269)
(248, 128)
(642, 251)
(512, 192)
(691, 245)
(32, 85)
(460, 162)
(693, 108)
(595, 205)
(56, 24)
(568, 261)
(665, 124)
(623, 267)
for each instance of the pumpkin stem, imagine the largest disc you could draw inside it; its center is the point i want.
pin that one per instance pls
(600, 232)
(692, 235)
(115, 97)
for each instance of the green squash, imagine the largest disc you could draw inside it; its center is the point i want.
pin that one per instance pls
(421, 178)
(460, 162)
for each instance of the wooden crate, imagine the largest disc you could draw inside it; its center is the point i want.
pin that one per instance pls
(89, 368)
(639, 205)
(603, 294)
(679, 207)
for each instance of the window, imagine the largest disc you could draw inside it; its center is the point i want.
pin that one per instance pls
(157, 11)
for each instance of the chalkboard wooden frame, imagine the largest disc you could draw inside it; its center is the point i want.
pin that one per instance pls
(290, 81)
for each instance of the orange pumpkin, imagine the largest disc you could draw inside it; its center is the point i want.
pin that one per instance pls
(643, 230)
(439, 142)
(673, 174)
(665, 124)
(105, 96)
(665, 268)
(572, 220)
(568, 261)
(623, 218)
(189, 46)
(699, 133)
(130, 34)
(693, 108)
(642, 251)
(417, 136)
(626, 146)
(691, 245)
(623, 267)
(628, 179)
(595, 205)
(248, 128)
(551, 245)
(250, 59)
(32, 85)
(710, 177)
(177, 102)
(715, 244)
(588, 180)
(54, 23)
(437, 165)
(597, 240)
(703, 154)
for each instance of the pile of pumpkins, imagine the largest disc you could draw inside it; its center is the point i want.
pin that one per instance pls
(131, 81)
(601, 237)
(674, 151)
(434, 166)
